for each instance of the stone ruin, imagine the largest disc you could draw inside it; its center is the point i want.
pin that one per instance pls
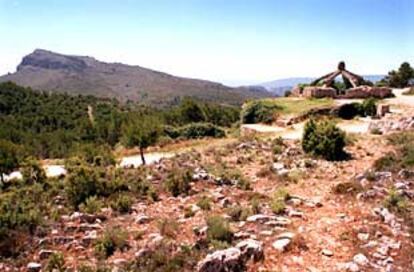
(355, 86)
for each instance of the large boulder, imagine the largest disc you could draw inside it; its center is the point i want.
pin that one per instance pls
(232, 259)
(319, 92)
(222, 260)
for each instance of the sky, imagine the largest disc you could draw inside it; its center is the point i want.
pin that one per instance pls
(230, 41)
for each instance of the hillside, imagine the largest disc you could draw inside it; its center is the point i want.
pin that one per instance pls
(46, 70)
(241, 204)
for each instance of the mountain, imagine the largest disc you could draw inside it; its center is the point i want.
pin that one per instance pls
(49, 71)
(280, 86)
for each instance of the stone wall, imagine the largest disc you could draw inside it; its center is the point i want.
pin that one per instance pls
(367, 91)
(357, 92)
(319, 92)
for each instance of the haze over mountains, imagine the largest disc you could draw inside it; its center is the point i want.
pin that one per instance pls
(49, 71)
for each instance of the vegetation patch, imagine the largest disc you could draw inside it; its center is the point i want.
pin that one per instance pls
(324, 139)
(267, 110)
(112, 240)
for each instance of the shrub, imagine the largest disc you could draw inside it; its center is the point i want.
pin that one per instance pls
(32, 171)
(178, 182)
(238, 213)
(56, 263)
(278, 203)
(369, 107)
(218, 230)
(347, 188)
(8, 158)
(122, 203)
(94, 154)
(113, 239)
(277, 149)
(231, 176)
(388, 162)
(259, 111)
(189, 212)
(323, 139)
(349, 111)
(81, 183)
(92, 205)
(20, 212)
(166, 258)
(396, 202)
(204, 203)
(168, 227)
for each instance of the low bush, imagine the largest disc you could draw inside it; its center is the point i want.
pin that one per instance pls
(278, 202)
(195, 131)
(168, 227)
(92, 205)
(259, 111)
(238, 213)
(32, 171)
(166, 257)
(81, 183)
(324, 139)
(232, 176)
(55, 263)
(367, 108)
(178, 181)
(204, 203)
(396, 202)
(218, 230)
(388, 162)
(113, 239)
(349, 187)
(122, 203)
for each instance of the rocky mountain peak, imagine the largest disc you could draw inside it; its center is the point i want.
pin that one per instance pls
(49, 60)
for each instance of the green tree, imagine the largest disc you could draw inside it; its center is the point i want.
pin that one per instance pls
(191, 111)
(141, 131)
(400, 78)
(8, 158)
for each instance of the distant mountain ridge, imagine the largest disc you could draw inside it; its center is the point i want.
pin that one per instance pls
(280, 86)
(50, 71)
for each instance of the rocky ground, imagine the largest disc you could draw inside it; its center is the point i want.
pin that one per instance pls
(287, 212)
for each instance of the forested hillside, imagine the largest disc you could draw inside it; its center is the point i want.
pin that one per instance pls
(51, 125)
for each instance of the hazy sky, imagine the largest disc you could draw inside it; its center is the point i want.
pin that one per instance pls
(223, 40)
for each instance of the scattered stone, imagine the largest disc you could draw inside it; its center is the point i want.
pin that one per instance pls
(363, 236)
(262, 218)
(361, 259)
(89, 237)
(142, 219)
(34, 267)
(327, 253)
(286, 235)
(281, 244)
(119, 262)
(44, 254)
(279, 221)
(251, 249)
(294, 213)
